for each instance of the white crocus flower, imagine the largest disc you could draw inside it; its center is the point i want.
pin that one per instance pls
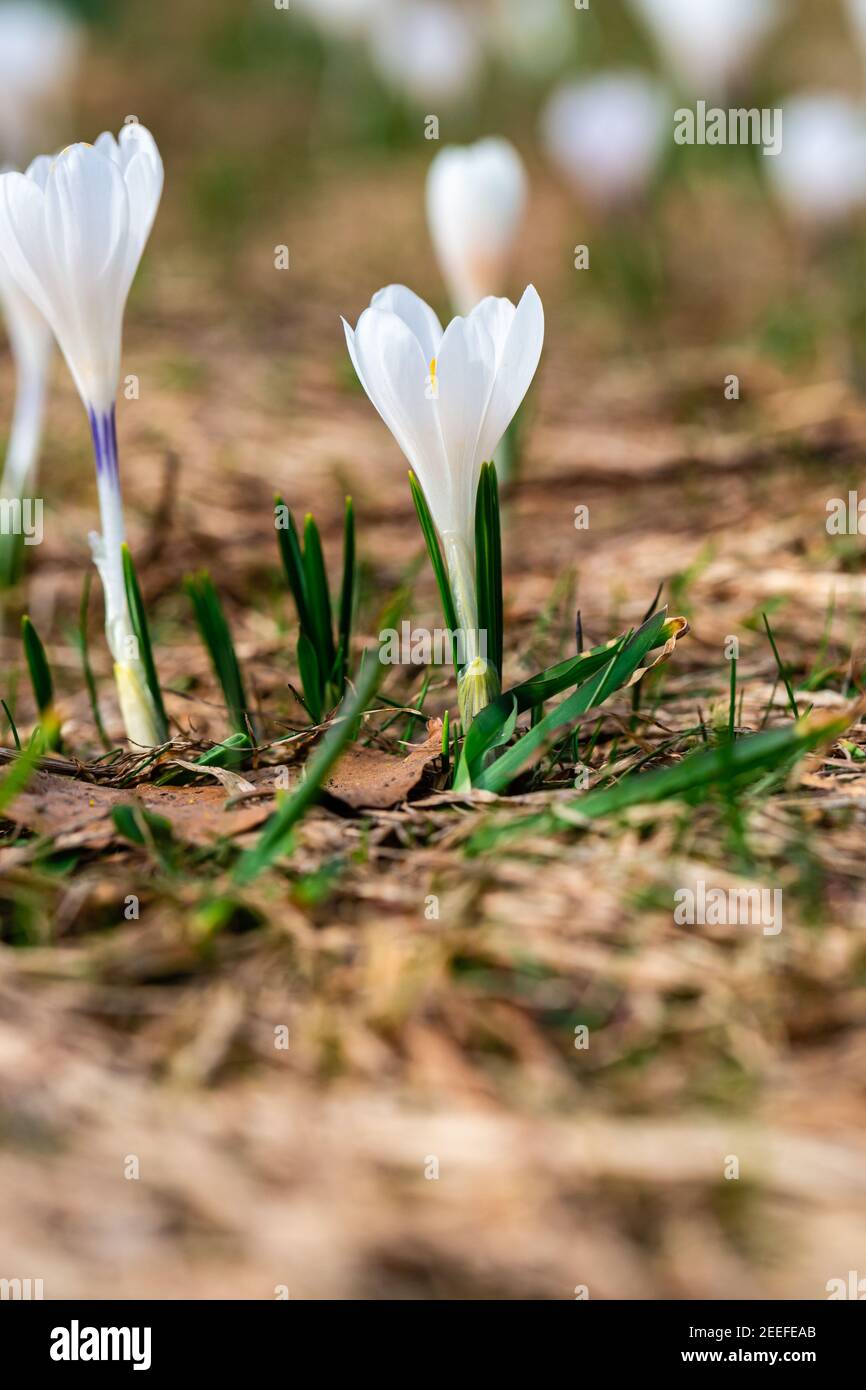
(427, 49)
(31, 341)
(475, 201)
(72, 232)
(448, 398)
(820, 174)
(39, 50)
(606, 134)
(708, 43)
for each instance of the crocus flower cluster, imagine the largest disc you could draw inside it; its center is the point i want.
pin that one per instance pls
(448, 397)
(72, 233)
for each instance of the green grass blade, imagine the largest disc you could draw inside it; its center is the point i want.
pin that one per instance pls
(215, 634)
(733, 765)
(272, 842)
(140, 627)
(431, 540)
(783, 670)
(19, 774)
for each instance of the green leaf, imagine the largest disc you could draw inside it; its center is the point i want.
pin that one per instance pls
(318, 597)
(695, 778)
(293, 564)
(140, 627)
(488, 564)
(217, 638)
(481, 740)
(290, 809)
(576, 671)
(41, 680)
(622, 664)
(311, 679)
(449, 608)
(37, 664)
(229, 753)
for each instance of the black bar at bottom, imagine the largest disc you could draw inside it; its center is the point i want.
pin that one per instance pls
(82, 1338)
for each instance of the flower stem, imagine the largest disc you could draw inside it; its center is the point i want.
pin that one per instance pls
(477, 681)
(136, 703)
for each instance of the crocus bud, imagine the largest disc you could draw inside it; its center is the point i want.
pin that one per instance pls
(475, 201)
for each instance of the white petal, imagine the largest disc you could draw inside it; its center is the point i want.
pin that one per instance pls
(465, 374)
(107, 145)
(39, 169)
(520, 354)
(87, 230)
(393, 370)
(23, 242)
(415, 313)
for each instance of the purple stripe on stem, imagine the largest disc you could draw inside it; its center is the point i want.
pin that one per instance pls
(103, 427)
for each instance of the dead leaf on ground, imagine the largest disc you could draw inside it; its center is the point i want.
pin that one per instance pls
(370, 777)
(65, 807)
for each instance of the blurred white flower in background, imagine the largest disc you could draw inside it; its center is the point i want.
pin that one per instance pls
(427, 49)
(536, 37)
(39, 51)
(31, 341)
(606, 134)
(857, 15)
(820, 174)
(476, 197)
(708, 43)
(343, 19)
